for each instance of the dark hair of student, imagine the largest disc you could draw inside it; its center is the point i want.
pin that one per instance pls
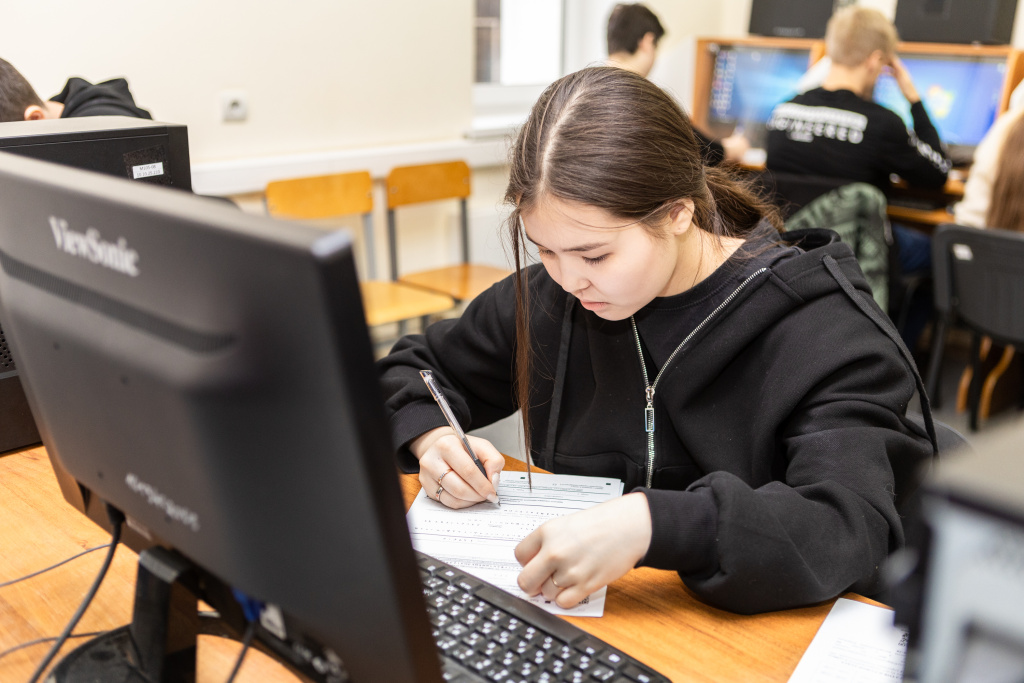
(627, 26)
(1006, 207)
(609, 138)
(16, 94)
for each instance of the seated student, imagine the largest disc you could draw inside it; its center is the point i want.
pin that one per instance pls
(837, 131)
(19, 101)
(633, 35)
(672, 338)
(973, 210)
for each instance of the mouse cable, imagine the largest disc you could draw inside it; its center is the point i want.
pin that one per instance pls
(116, 518)
(37, 641)
(246, 640)
(54, 566)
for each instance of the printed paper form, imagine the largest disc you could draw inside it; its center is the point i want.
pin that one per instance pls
(857, 643)
(481, 540)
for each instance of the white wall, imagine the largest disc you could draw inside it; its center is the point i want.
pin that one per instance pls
(319, 74)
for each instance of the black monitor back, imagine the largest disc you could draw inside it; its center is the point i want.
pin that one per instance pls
(210, 374)
(121, 146)
(956, 21)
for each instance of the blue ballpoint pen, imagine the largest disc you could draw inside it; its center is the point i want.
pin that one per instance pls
(442, 402)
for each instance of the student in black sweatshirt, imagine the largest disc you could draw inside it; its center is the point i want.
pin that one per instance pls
(19, 101)
(837, 131)
(744, 385)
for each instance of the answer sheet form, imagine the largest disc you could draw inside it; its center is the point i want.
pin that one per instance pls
(481, 540)
(857, 643)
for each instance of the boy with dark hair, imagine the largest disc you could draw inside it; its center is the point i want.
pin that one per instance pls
(633, 35)
(20, 102)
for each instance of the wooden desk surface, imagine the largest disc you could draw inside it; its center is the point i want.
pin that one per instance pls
(648, 613)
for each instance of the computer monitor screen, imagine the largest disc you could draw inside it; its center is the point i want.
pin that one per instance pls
(746, 84)
(209, 373)
(961, 94)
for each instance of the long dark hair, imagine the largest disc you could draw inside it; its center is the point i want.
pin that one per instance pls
(1006, 207)
(609, 138)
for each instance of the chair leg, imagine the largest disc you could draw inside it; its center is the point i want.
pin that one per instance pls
(974, 393)
(935, 361)
(989, 387)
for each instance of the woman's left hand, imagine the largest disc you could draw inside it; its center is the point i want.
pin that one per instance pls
(568, 558)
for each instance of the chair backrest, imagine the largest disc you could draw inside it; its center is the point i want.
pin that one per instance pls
(427, 183)
(340, 194)
(979, 279)
(791, 191)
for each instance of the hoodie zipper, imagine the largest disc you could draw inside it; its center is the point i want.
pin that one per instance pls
(651, 387)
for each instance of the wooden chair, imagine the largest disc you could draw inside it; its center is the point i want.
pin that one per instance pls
(345, 194)
(408, 185)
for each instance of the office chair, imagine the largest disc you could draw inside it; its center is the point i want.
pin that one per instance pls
(346, 194)
(979, 284)
(407, 185)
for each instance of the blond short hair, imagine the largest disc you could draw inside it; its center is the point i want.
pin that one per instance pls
(853, 33)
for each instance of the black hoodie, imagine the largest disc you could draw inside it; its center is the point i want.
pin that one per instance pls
(781, 446)
(110, 98)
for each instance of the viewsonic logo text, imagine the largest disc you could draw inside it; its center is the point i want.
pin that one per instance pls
(90, 246)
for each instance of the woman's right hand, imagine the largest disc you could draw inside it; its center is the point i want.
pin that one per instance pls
(439, 451)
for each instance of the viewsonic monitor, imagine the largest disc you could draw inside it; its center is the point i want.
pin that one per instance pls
(960, 93)
(746, 84)
(209, 374)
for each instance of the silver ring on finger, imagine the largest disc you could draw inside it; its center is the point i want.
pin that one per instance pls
(441, 478)
(438, 492)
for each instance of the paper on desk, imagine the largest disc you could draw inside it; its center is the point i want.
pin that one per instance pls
(481, 540)
(857, 643)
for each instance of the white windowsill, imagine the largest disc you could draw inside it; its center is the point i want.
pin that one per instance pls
(242, 176)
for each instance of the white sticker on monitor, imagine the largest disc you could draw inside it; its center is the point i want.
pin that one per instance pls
(148, 170)
(963, 252)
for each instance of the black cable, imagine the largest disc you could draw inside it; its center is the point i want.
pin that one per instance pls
(54, 566)
(37, 641)
(246, 640)
(116, 518)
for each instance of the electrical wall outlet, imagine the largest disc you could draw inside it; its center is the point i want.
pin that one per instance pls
(234, 105)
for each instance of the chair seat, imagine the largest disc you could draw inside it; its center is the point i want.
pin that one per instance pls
(460, 282)
(391, 302)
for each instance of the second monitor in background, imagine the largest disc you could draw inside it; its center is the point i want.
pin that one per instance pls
(962, 94)
(739, 83)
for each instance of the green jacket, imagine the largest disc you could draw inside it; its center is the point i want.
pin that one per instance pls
(857, 213)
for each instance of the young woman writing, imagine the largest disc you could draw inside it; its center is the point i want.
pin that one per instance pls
(747, 390)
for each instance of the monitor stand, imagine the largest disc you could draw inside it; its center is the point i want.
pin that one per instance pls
(159, 646)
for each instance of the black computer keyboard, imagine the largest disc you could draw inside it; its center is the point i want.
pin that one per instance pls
(485, 634)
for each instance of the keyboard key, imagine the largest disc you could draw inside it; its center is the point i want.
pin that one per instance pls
(434, 583)
(468, 584)
(457, 630)
(430, 564)
(445, 643)
(473, 639)
(589, 645)
(602, 673)
(612, 658)
(634, 673)
(449, 574)
(478, 662)
(573, 676)
(461, 652)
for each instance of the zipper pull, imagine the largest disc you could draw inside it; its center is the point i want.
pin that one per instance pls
(649, 411)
